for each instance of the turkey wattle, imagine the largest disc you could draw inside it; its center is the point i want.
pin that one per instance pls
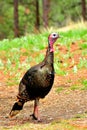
(37, 81)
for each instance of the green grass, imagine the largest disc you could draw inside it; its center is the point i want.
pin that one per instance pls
(82, 63)
(39, 41)
(59, 89)
(84, 84)
(73, 35)
(31, 42)
(81, 86)
(84, 45)
(75, 87)
(10, 50)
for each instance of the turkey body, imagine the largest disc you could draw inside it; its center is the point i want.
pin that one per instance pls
(37, 82)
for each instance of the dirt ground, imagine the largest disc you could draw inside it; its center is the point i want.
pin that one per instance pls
(55, 106)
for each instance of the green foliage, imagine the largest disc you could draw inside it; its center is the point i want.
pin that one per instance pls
(62, 13)
(26, 21)
(6, 19)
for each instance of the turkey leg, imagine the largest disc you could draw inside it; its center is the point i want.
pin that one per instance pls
(35, 114)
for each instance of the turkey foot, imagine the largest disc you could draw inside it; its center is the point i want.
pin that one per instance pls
(34, 117)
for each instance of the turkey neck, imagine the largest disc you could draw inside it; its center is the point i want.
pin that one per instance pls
(49, 58)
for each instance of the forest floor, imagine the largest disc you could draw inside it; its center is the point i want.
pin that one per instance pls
(62, 103)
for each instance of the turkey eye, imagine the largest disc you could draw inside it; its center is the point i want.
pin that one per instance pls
(54, 35)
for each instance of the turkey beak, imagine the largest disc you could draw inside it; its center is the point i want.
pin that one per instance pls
(58, 36)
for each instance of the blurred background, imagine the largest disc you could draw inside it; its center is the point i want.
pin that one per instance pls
(21, 17)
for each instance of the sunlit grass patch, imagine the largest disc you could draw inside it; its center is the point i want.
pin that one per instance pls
(73, 35)
(83, 45)
(75, 87)
(59, 89)
(81, 85)
(84, 84)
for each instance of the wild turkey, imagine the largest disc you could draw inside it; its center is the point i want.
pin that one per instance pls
(37, 81)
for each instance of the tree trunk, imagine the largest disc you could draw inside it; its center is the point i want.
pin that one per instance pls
(46, 9)
(37, 25)
(16, 22)
(84, 10)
